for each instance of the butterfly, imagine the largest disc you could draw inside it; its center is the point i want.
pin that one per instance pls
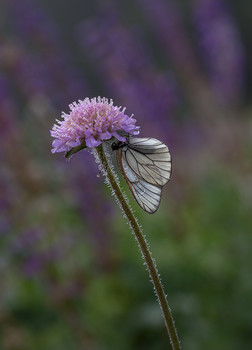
(146, 166)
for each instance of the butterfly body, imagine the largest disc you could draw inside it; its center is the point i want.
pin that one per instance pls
(146, 166)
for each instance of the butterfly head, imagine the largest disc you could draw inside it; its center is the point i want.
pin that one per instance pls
(116, 145)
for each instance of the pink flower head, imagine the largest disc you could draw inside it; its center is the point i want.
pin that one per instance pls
(90, 122)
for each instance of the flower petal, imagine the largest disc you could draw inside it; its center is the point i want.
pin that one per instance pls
(92, 142)
(59, 146)
(119, 137)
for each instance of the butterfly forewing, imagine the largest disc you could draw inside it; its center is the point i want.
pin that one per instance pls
(146, 165)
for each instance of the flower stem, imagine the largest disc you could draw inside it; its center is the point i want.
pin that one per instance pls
(143, 245)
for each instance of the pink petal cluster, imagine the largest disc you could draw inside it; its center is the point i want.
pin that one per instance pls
(91, 121)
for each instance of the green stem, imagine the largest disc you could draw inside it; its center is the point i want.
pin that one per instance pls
(143, 245)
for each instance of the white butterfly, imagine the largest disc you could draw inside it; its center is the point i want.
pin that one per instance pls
(146, 166)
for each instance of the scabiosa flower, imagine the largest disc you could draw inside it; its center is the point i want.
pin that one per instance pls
(87, 125)
(90, 122)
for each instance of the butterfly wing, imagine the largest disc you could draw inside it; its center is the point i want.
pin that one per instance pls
(146, 165)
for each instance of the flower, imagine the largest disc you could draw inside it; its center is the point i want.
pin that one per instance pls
(90, 122)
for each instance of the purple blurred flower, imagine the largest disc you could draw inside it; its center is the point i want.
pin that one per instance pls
(91, 121)
(122, 56)
(166, 22)
(48, 68)
(222, 48)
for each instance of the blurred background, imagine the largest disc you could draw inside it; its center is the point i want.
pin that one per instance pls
(71, 275)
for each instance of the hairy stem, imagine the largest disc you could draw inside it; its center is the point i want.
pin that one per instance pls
(143, 245)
